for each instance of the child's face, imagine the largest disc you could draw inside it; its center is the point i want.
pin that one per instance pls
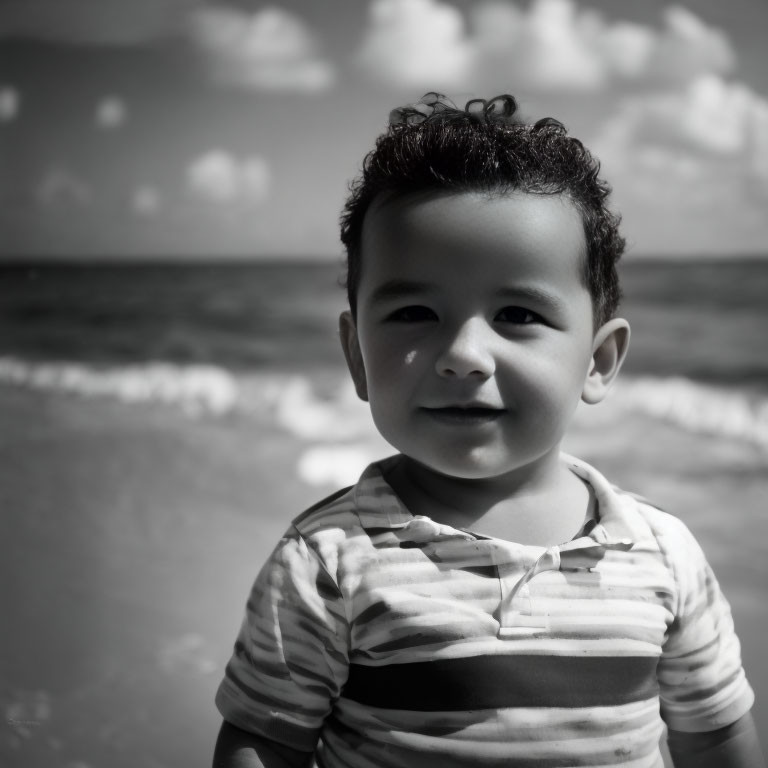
(474, 334)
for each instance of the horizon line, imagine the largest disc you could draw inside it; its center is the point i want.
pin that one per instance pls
(43, 259)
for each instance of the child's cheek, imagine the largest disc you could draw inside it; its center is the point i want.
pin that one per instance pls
(393, 360)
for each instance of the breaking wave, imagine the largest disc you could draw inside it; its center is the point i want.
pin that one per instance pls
(333, 414)
(195, 388)
(698, 408)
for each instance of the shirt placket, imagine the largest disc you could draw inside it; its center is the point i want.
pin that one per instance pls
(518, 614)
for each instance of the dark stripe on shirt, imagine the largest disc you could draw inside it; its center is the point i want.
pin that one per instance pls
(500, 681)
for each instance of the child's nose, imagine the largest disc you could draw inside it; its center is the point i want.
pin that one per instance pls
(467, 352)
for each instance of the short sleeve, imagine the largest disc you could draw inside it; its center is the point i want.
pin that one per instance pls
(290, 657)
(702, 683)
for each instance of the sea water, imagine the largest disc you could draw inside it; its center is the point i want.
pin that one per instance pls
(219, 338)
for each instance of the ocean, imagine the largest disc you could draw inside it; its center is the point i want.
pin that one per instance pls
(218, 337)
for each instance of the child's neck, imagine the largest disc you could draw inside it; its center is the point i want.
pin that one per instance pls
(542, 505)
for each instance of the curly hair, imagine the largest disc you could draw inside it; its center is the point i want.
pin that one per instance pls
(435, 145)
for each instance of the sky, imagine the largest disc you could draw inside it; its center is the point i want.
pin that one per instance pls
(194, 129)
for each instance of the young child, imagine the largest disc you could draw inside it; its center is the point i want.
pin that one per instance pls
(481, 599)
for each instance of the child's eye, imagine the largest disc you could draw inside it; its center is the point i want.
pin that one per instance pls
(414, 314)
(518, 316)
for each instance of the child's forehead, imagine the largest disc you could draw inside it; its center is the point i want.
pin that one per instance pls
(511, 223)
(511, 208)
(474, 243)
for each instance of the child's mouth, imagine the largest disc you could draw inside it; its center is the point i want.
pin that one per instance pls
(465, 415)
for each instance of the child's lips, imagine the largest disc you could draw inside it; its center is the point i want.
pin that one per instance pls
(465, 414)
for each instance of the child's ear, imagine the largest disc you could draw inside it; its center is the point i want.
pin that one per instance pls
(354, 357)
(608, 352)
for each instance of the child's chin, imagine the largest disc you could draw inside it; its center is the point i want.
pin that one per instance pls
(467, 467)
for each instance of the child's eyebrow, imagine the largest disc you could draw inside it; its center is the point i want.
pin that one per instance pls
(532, 293)
(401, 289)
(398, 289)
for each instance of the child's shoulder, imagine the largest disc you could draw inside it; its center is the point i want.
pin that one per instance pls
(622, 508)
(365, 506)
(673, 536)
(333, 511)
(341, 529)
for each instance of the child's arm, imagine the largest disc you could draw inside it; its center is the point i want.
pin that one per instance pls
(288, 665)
(702, 683)
(236, 748)
(735, 746)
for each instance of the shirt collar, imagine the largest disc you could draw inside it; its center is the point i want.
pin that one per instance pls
(383, 515)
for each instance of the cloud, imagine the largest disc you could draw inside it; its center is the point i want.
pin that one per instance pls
(60, 187)
(686, 49)
(551, 46)
(416, 43)
(9, 104)
(711, 117)
(718, 116)
(146, 200)
(218, 177)
(270, 49)
(689, 167)
(110, 112)
(558, 46)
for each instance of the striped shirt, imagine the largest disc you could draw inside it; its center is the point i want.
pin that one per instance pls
(379, 638)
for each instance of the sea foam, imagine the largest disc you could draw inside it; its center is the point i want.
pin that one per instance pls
(340, 418)
(698, 408)
(195, 388)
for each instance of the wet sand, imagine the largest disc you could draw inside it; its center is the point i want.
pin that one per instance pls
(130, 536)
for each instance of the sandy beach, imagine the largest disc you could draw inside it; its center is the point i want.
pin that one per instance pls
(131, 534)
